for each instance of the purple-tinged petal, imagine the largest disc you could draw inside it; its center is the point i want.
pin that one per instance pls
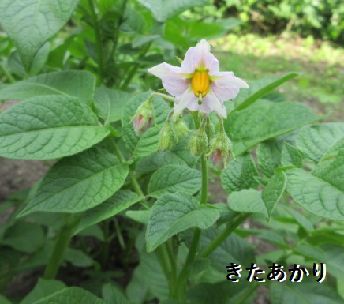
(172, 78)
(186, 100)
(211, 103)
(200, 56)
(226, 86)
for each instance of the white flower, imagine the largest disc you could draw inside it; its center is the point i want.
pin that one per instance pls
(198, 84)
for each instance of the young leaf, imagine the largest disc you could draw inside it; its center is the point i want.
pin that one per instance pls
(75, 83)
(174, 179)
(259, 89)
(30, 23)
(121, 201)
(273, 191)
(316, 194)
(174, 213)
(239, 174)
(264, 120)
(48, 127)
(247, 201)
(79, 182)
(70, 295)
(164, 9)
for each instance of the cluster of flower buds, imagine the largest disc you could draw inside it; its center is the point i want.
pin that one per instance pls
(143, 118)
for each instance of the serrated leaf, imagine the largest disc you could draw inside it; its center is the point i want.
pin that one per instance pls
(174, 213)
(247, 201)
(273, 191)
(265, 120)
(79, 182)
(48, 127)
(164, 9)
(110, 103)
(315, 194)
(316, 141)
(259, 89)
(30, 23)
(174, 179)
(239, 174)
(121, 201)
(70, 295)
(42, 289)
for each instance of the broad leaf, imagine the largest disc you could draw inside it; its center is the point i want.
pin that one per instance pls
(316, 194)
(121, 201)
(273, 191)
(264, 120)
(174, 213)
(247, 201)
(259, 89)
(75, 83)
(48, 127)
(240, 173)
(316, 141)
(70, 295)
(42, 289)
(164, 9)
(30, 23)
(148, 143)
(112, 294)
(110, 103)
(174, 179)
(79, 182)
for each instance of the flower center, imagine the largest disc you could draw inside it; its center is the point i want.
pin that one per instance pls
(200, 83)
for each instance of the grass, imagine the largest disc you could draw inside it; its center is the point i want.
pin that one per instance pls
(320, 66)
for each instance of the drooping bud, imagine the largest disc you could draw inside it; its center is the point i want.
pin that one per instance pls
(220, 150)
(199, 143)
(143, 118)
(180, 129)
(166, 137)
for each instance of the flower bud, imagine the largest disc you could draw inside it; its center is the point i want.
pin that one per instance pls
(180, 129)
(199, 143)
(220, 150)
(166, 137)
(143, 118)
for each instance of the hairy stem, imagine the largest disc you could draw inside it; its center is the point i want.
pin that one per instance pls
(60, 247)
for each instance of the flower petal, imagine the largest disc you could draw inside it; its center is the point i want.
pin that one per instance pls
(172, 78)
(211, 103)
(200, 55)
(186, 100)
(226, 86)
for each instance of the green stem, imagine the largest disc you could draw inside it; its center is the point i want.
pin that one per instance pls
(224, 234)
(173, 262)
(204, 188)
(60, 247)
(169, 98)
(164, 261)
(98, 37)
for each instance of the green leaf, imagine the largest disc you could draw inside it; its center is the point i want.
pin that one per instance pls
(79, 182)
(264, 120)
(30, 23)
(3, 300)
(303, 293)
(164, 9)
(112, 294)
(315, 194)
(247, 201)
(78, 258)
(316, 141)
(174, 213)
(269, 156)
(42, 289)
(273, 191)
(121, 201)
(148, 143)
(110, 103)
(25, 237)
(291, 155)
(70, 295)
(75, 83)
(48, 127)
(174, 179)
(259, 89)
(239, 174)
